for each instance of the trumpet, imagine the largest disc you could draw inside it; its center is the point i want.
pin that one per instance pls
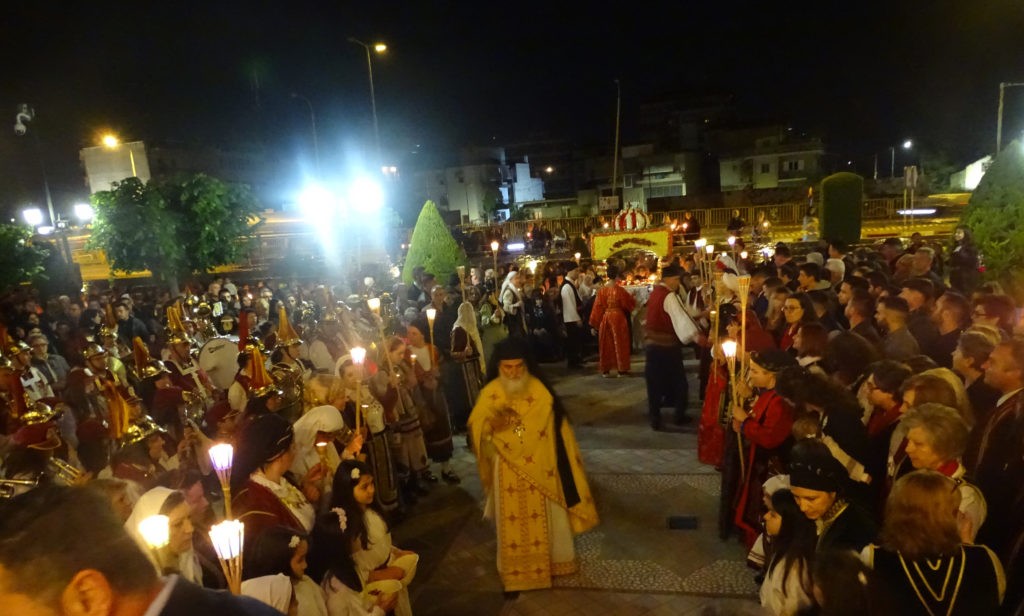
(63, 472)
(9, 487)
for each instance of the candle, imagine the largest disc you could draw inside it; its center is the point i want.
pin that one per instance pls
(358, 355)
(228, 542)
(156, 532)
(731, 240)
(221, 456)
(374, 304)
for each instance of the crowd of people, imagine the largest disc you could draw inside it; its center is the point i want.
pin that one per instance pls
(877, 411)
(879, 414)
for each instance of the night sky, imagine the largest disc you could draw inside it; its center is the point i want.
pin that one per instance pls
(863, 75)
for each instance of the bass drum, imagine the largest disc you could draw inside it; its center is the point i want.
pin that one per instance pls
(218, 357)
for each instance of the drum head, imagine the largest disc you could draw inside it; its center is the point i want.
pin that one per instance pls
(219, 359)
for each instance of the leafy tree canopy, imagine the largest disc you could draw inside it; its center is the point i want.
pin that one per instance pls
(20, 259)
(174, 227)
(995, 216)
(432, 246)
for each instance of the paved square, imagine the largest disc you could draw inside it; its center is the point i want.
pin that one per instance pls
(630, 564)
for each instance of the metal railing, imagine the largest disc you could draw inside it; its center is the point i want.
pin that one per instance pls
(777, 214)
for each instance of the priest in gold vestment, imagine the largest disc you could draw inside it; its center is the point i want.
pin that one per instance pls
(531, 471)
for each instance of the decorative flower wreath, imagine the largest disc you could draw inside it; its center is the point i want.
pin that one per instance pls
(355, 474)
(342, 518)
(294, 542)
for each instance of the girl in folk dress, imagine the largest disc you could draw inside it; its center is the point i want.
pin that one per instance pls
(610, 317)
(352, 544)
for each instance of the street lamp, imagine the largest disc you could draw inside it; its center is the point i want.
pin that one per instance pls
(907, 144)
(312, 123)
(111, 142)
(33, 216)
(83, 212)
(494, 250)
(379, 48)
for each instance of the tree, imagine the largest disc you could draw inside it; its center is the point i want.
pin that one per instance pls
(175, 227)
(20, 259)
(432, 246)
(491, 202)
(995, 214)
(842, 198)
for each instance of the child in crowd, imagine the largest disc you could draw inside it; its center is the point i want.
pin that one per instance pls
(787, 587)
(282, 550)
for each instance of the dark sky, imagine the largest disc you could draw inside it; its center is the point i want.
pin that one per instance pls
(862, 74)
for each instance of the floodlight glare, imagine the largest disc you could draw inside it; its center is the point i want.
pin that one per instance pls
(84, 212)
(33, 216)
(316, 201)
(365, 195)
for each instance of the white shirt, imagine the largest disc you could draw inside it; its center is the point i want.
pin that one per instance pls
(570, 311)
(682, 323)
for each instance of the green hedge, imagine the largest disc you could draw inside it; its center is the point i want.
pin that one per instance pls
(842, 198)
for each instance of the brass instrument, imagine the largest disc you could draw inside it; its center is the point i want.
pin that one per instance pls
(9, 487)
(194, 405)
(64, 473)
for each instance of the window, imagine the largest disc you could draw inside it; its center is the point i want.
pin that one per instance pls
(794, 165)
(766, 167)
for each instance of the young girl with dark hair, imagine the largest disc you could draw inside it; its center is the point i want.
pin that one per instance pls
(282, 550)
(352, 549)
(787, 587)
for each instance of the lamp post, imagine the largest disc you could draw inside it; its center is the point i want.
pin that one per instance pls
(379, 48)
(907, 144)
(312, 124)
(494, 251)
(999, 115)
(111, 142)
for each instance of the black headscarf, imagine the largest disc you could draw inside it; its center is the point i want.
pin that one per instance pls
(264, 438)
(515, 347)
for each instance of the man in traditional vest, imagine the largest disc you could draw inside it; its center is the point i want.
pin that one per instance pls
(668, 328)
(572, 304)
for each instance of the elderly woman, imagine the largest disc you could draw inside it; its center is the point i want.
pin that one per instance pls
(317, 434)
(927, 567)
(178, 556)
(936, 438)
(263, 496)
(819, 484)
(467, 354)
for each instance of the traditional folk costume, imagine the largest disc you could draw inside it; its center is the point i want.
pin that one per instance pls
(533, 478)
(257, 500)
(467, 355)
(326, 419)
(428, 396)
(668, 327)
(610, 316)
(379, 553)
(408, 448)
(289, 374)
(766, 429)
(377, 446)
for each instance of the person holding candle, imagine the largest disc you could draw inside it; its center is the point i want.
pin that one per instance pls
(430, 399)
(378, 451)
(262, 494)
(317, 434)
(107, 575)
(178, 556)
(392, 387)
(765, 429)
(467, 354)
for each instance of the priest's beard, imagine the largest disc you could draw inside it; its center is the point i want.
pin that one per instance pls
(516, 387)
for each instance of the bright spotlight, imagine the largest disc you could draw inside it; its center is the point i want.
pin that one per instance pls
(908, 144)
(84, 212)
(365, 195)
(380, 47)
(316, 201)
(33, 216)
(110, 141)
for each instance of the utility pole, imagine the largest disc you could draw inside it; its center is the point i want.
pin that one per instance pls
(615, 159)
(999, 116)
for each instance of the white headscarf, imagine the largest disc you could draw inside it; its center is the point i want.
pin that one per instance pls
(273, 590)
(324, 418)
(150, 504)
(467, 321)
(508, 283)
